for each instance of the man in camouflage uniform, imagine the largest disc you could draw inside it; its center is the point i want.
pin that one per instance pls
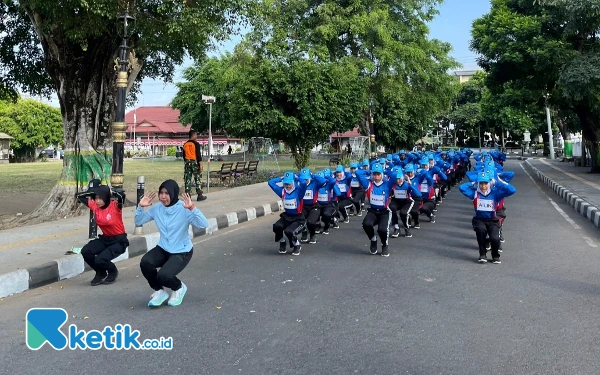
(193, 165)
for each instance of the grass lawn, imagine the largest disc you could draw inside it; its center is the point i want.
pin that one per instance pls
(40, 177)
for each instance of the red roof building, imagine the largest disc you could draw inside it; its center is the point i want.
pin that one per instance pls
(158, 127)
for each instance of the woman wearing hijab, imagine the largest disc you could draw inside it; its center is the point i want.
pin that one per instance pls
(174, 250)
(99, 253)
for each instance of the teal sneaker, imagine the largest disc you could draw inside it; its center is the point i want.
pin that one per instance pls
(158, 298)
(177, 296)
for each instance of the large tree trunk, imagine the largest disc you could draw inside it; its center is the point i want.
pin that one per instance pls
(590, 128)
(85, 82)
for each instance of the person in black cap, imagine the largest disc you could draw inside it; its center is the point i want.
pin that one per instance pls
(174, 250)
(99, 253)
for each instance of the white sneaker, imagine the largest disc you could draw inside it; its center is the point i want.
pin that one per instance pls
(177, 296)
(158, 298)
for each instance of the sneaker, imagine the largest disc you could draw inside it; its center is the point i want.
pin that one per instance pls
(201, 198)
(304, 238)
(373, 249)
(432, 218)
(496, 261)
(384, 251)
(482, 260)
(488, 246)
(282, 248)
(99, 278)
(313, 240)
(335, 226)
(396, 233)
(435, 210)
(111, 278)
(297, 250)
(177, 296)
(158, 298)
(325, 231)
(501, 237)
(418, 226)
(318, 231)
(359, 213)
(347, 220)
(407, 233)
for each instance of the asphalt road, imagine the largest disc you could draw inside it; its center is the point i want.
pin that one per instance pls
(427, 309)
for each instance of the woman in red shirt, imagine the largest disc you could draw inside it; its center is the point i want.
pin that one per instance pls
(113, 242)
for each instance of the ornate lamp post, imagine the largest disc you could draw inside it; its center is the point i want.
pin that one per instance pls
(119, 127)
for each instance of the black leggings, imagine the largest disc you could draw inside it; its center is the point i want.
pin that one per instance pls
(401, 207)
(171, 264)
(290, 225)
(483, 229)
(99, 253)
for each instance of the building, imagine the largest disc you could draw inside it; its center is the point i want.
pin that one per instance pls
(464, 75)
(5, 147)
(153, 129)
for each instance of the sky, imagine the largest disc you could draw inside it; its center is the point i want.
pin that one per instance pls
(452, 25)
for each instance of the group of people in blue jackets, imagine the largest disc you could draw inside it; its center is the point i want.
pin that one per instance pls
(396, 191)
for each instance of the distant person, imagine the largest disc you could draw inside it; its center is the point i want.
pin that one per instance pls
(174, 250)
(192, 157)
(349, 149)
(229, 150)
(99, 253)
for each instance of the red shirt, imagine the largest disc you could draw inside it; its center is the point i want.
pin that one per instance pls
(110, 219)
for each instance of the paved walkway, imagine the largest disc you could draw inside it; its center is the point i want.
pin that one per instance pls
(574, 184)
(32, 256)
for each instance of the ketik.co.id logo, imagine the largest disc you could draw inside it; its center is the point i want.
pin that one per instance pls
(43, 326)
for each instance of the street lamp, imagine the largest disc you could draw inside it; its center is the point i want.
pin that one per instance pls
(119, 127)
(372, 130)
(209, 100)
(549, 121)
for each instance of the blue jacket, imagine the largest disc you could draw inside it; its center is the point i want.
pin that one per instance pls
(486, 205)
(423, 182)
(293, 202)
(378, 194)
(173, 224)
(405, 191)
(343, 187)
(325, 193)
(312, 190)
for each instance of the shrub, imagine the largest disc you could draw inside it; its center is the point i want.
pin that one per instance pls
(171, 151)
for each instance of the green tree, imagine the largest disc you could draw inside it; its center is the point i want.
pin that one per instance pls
(70, 48)
(405, 72)
(208, 76)
(300, 102)
(536, 50)
(31, 124)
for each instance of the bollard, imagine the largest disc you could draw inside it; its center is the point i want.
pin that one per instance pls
(93, 226)
(141, 186)
(93, 229)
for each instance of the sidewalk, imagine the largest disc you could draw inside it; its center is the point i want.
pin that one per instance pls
(33, 256)
(573, 184)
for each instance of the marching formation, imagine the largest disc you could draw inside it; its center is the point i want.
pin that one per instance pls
(393, 192)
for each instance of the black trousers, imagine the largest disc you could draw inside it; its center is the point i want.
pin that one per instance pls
(170, 266)
(100, 252)
(312, 214)
(380, 219)
(358, 198)
(401, 207)
(290, 225)
(343, 206)
(427, 207)
(415, 210)
(327, 213)
(485, 228)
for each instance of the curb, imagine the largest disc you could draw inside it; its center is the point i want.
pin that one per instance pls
(70, 266)
(583, 207)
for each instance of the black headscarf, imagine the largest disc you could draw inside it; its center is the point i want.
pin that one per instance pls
(172, 189)
(103, 192)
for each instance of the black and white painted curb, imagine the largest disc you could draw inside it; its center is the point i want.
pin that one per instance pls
(591, 212)
(72, 265)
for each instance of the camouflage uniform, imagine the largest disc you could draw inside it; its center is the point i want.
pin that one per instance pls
(192, 170)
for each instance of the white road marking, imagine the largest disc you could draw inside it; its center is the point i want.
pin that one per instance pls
(560, 210)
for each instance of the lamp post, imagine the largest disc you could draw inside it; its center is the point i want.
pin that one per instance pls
(119, 127)
(549, 121)
(209, 100)
(372, 144)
